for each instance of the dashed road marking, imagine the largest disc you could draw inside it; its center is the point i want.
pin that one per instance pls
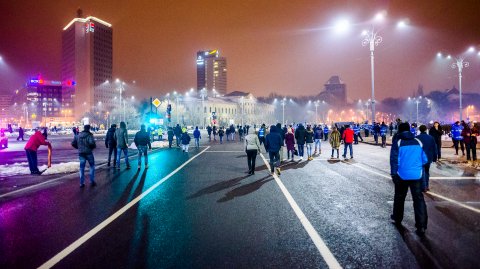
(72, 247)
(317, 240)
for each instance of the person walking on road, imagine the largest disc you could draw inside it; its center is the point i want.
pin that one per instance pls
(111, 144)
(178, 134)
(273, 142)
(262, 133)
(430, 149)
(85, 143)
(185, 140)
(252, 148)
(376, 132)
(356, 133)
(290, 142)
(335, 141)
(197, 137)
(407, 159)
(214, 130)
(300, 135)
(221, 133)
(31, 148)
(142, 142)
(209, 132)
(309, 141)
(318, 135)
(390, 127)
(21, 133)
(470, 134)
(325, 132)
(170, 135)
(436, 132)
(121, 138)
(457, 137)
(347, 140)
(282, 135)
(383, 134)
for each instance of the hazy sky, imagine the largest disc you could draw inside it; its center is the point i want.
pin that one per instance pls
(282, 46)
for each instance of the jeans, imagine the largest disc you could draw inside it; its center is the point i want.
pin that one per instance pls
(281, 153)
(300, 150)
(209, 136)
(197, 142)
(178, 140)
(375, 137)
(439, 149)
(170, 142)
(384, 141)
(349, 145)
(292, 152)
(355, 138)
(471, 147)
(462, 146)
(419, 207)
(309, 149)
(325, 136)
(221, 139)
(119, 154)
(318, 145)
(274, 160)
(112, 150)
(142, 150)
(185, 147)
(338, 153)
(84, 158)
(426, 177)
(251, 157)
(32, 160)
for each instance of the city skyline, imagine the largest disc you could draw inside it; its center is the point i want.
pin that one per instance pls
(289, 48)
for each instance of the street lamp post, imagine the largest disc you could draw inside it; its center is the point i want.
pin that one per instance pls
(417, 101)
(460, 64)
(284, 100)
(243, 107)
(373, 39)
(203, 93)
(316, 111)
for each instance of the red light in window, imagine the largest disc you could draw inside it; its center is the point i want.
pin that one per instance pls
(40, 81)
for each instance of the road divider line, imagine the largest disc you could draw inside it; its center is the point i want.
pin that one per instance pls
(428, 192)
(317, 240)
(454, 178)
(227, 151)
(72, 247)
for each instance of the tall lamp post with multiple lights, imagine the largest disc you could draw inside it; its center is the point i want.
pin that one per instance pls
(372, 39)
(459, 64)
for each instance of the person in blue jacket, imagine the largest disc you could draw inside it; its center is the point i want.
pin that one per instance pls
(407, 159)
(383, 134)
(356, 133)
(325, 133)
(273, 142)
(457, 137)
(197, 137)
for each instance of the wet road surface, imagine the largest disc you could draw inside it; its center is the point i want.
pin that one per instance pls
(200, 210)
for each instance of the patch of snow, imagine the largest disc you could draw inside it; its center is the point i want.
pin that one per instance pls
(22, 169)
(160, 144)
(62, 168)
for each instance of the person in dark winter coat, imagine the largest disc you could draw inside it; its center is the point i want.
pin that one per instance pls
(178, 133)
(209, 132)
(376, 132)
(430, 148)
(85, 143)
(262, 132)
(221, 133)
(300, 135)
(273, 143)
(111, 144)
(121, 138)
(142, 142)
(470, 134)
(383, 134)
(290, 142)
(309, 141)
(185, 140)
(407, 159)
(436, 132)
(20, 134)
(170, 135)
(325, 132)
(282, 134)
(318, 136)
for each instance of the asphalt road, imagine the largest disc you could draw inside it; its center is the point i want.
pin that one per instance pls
(200, 210)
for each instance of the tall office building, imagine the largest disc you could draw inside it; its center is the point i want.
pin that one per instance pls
(211, 71)
(87, 59)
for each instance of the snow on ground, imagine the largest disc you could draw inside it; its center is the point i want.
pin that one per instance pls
(156, 144)
(22, 169)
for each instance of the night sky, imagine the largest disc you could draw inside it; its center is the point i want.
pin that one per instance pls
(287, 47)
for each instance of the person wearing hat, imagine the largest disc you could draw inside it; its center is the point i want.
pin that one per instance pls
(85, 143)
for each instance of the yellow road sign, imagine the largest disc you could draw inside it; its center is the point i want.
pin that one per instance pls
(156, 102)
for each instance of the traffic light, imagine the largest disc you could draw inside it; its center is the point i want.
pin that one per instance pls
(169, 112)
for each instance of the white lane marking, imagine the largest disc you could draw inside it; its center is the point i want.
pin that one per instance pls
(72, 247)
(428, 192)
(453, 178)
(36, 186)
(454, 202)
(228, 151)
(317, 240)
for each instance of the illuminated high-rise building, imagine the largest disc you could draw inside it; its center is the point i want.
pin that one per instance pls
(87, 59)
(211, 71)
